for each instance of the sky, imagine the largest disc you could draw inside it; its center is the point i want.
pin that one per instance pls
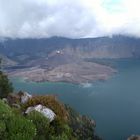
(69, 18)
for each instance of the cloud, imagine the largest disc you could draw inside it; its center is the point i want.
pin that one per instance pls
(68, 18)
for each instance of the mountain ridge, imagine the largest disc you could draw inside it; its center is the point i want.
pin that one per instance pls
(102, 47)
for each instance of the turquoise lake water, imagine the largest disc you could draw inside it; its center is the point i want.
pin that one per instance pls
(114, 104)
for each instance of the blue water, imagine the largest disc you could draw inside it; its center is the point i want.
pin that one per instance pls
(114, 104)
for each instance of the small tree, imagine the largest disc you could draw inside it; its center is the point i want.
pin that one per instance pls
(42, 125)
(5, 84)
(0, 64)
(14, 126)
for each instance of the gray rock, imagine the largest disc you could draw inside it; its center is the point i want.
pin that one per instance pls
(48, 113)
(134, 137)
(25, 97)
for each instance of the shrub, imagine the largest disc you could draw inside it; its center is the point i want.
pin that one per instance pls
(56, 130)
(18, 128)
(60, 130)
(5, 85)
(61, 137)
(50, 102)
(82, 126)
(41, 123)
(14, 126)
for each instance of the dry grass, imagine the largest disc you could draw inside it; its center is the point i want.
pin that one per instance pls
(50, 102)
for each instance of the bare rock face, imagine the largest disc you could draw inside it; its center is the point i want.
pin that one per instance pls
(134, 137)
(48, 113)
(24, 96)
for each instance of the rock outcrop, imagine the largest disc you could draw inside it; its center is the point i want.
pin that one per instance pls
(134, 137)
(17, 99)
(24, 97)
(48, 113)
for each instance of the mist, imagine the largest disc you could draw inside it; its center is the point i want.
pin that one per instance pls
(69, 18)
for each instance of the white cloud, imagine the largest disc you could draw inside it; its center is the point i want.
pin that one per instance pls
(69, 18)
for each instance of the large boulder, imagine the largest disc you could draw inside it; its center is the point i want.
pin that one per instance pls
(48, 113)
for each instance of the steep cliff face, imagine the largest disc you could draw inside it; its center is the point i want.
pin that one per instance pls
(103, 47)
(115, 47)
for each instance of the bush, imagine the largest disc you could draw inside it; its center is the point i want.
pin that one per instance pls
(18, 128)
(5, 85)
(61, 137)
(82, 126)
(50, 102)
(41, 123)
(60, 130)
(56, 130)
(14, 126)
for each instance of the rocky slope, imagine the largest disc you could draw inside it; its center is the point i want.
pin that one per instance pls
(58, 114)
